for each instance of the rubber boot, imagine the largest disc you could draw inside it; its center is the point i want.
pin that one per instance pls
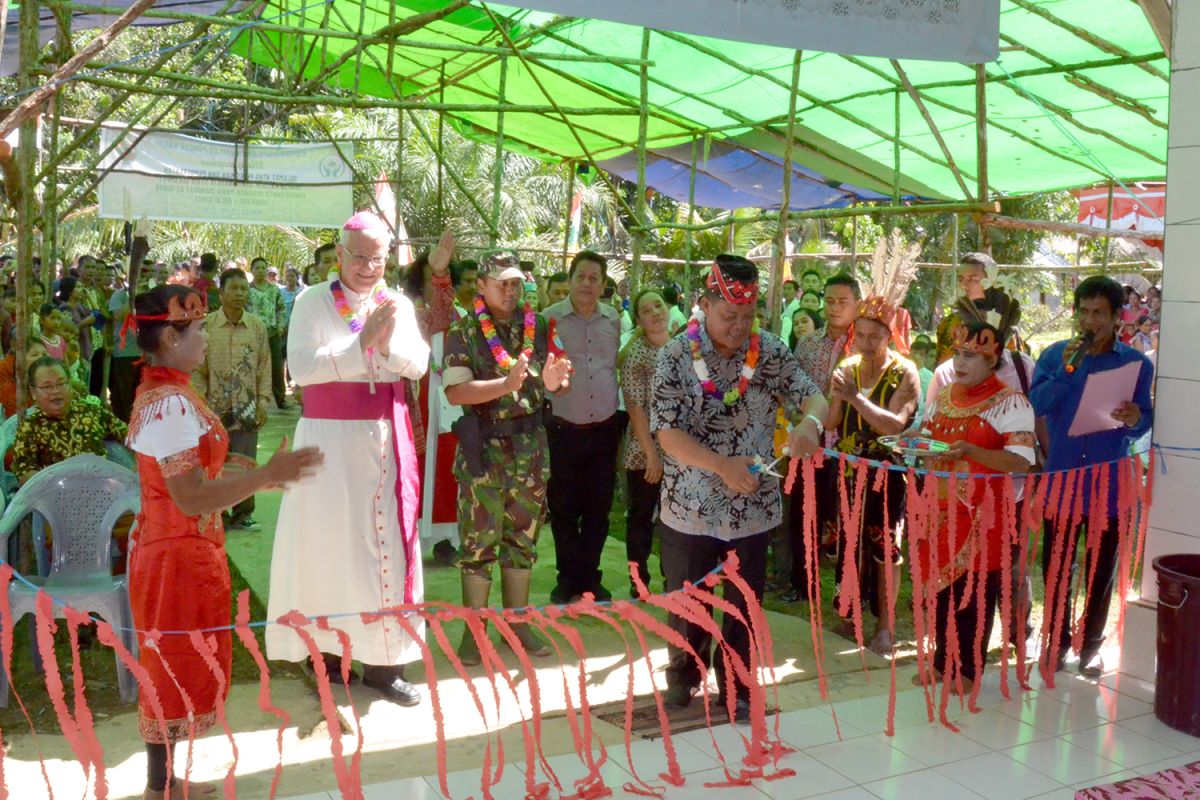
(514, 589)
(883, 642)
(475, 591)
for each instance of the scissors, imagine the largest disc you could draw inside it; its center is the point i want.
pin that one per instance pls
(759, 467)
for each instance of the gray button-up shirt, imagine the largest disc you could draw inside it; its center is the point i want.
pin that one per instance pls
(592, 346)
(694, 500)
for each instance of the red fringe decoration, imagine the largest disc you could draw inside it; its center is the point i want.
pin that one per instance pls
(264, 682)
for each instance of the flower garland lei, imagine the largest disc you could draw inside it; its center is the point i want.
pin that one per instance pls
(343, 307)
(730, 396)
(501, 355)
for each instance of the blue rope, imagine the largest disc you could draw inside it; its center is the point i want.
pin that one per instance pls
(411, 611)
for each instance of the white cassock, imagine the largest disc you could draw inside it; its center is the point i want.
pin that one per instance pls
(339, 547)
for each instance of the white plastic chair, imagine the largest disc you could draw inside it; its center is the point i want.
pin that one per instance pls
(81, 500)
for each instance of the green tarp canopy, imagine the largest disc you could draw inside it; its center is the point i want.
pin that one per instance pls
(1079, 95)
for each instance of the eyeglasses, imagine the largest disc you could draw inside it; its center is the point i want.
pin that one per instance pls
(53, 387)
(374, 261)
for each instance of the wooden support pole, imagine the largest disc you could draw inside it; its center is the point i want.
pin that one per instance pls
(1087, 36)
(570, 218)
(1069, 228)
(981, 151)
(689, 234)
(640, 208)
(896, 155)
(29, 106)
(1108, 215)
(779, 246)
(933, 128)
(862, 210)
(22, 193)
(498, 161)
(441, 138)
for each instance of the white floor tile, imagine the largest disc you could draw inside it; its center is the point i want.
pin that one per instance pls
(569, 768)
(812, 779)
(1124, 774)
(1150, 725)
(1047, 713)
(1106, 702)
(936, 744)
(467, 783)
(1169, 763)
(407, 789)
(696, 790)
(731, 742)
(865, 759)
(997, 777)
(317, 796)
(927, 784)
(1064, 762)
(1128, 684)
(650, 758)
(869, 714)
(1121, 745)
(1063, 793)
(999, 731)
(813, 726)
(853, 793)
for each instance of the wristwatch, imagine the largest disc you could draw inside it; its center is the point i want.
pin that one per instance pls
(820, 425)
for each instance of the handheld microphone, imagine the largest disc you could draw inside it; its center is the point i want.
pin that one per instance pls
(1076, 358)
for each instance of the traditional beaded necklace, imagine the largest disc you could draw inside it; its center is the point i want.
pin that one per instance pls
(343, 307)
(501, 355)
(730, 396)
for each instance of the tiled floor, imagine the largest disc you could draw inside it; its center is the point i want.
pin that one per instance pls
(1043, 745)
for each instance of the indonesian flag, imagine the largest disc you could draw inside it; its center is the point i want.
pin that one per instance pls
(575, 231)
(385, 198)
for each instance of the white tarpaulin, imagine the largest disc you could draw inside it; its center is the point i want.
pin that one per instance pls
(966, 31)
(169, 176)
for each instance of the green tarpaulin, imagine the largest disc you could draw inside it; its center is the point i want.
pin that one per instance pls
(1079, 94)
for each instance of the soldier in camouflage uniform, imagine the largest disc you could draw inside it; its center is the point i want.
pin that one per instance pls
(502, 464)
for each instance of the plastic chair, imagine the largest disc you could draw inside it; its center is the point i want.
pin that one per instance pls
(81, 499)
(8, 435)
(119, 454)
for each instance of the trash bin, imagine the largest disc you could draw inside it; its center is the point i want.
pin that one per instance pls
(1177, 675)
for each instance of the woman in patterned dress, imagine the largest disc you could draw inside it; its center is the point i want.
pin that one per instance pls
(643, 459)
(178, 573)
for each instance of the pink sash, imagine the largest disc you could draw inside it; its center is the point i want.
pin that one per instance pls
(347, 401)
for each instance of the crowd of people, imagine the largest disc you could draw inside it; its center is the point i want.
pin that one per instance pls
(567, 384)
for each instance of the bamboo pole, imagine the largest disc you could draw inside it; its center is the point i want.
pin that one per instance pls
(840, 213)
(498, 161)
(441, 131)
(688, 232)
(933, 128)
(1087, 36)
(40, 94)
(934, 101)
(566, 248)
(640, 208)
(1071, 228)
(896, 156)
(1107, 226)
(26, 163)
(981, 151)
(817, 102)
(779, 247)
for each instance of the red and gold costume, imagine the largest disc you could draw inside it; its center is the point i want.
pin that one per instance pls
(178, 572)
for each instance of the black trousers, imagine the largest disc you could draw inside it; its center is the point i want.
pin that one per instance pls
(278, 386)
(583, 475)
(870, 552)
(825, 491)
(244, 443)
(686, 557)
(639, 520)
(966, 620)
(1098, 599)
(96, 375)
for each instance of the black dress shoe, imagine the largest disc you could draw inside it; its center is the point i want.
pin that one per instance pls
(794, 596)
(741, 711)
(391, 684)
(560, 595)
(679, 696)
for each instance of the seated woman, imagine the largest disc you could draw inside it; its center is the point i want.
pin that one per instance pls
(62, 425)
(990, 429)
(34, 350)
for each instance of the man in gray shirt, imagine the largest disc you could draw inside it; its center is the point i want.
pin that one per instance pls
(584, 432)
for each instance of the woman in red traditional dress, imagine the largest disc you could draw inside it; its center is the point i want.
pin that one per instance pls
(178, 573)
(989, 427)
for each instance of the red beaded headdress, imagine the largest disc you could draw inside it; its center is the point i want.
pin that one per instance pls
(191, 308)
(893, 268)
(737, 292)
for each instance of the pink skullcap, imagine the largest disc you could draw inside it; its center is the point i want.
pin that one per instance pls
(365, 221)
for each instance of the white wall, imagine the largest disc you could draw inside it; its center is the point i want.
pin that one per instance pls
(1174, 521)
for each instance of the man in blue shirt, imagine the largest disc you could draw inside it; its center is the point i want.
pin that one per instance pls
(1058, 382)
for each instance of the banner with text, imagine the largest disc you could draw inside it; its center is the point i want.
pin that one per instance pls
(935, 30)
(170, 176)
